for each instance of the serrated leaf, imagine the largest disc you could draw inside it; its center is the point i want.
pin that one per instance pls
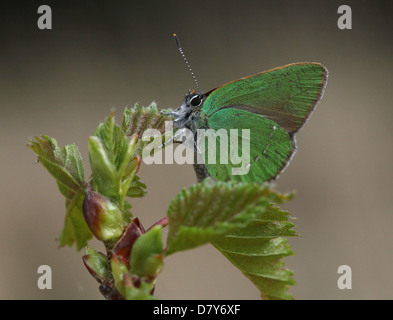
(137, 188)
(138, 119)
(64, 164)
(257, 250)
(149, 121)
(127, 215)
(113, 138)
(112, 158)
(75, 227)
(205, 211)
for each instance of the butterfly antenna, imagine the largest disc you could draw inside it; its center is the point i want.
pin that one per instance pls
(186, 61)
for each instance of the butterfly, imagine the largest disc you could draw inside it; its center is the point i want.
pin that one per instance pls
(273, 105)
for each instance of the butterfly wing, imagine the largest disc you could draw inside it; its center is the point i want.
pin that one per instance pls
(286, 95)
(270, 147)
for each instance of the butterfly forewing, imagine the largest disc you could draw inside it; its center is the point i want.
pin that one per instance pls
(286, 95)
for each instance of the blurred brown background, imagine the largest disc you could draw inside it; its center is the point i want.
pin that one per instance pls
(100, 54)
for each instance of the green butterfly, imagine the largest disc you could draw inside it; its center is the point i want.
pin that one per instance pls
(273, 105)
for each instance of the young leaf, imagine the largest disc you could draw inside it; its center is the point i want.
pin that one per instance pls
(146, 255)
(113, 138)
(127, 215)
(137, 188)
(205, 211)
(64, 164)
(112, 159)
(119, 271)
(103, 216)
(104, 178)
(123, 247)
(75, 227)
(124, 282)
(138, 119)
(143, 292)
(257, 249)
(147, 123)
(97, 264)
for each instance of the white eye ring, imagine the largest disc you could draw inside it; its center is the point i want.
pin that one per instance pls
(195, 101)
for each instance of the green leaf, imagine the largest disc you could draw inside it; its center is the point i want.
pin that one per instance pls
(257, 249)
(113, 138)
(138, 119)
(240, 220)
(97, 264)
(75, 227)
(103, 216)
(127, 215)
(141, 293)
(205, 211)
(137, 188)
(123, 281)
(104, 176)
(64, 164)
(146, 255)
(119, 272)
(112, 159)
(127, 173)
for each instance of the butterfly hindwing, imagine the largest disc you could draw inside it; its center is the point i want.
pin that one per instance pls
(270, 146)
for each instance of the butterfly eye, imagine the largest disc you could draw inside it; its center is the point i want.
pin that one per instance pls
(195, 101)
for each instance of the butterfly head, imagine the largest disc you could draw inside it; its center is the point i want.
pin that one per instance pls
(193, 99)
